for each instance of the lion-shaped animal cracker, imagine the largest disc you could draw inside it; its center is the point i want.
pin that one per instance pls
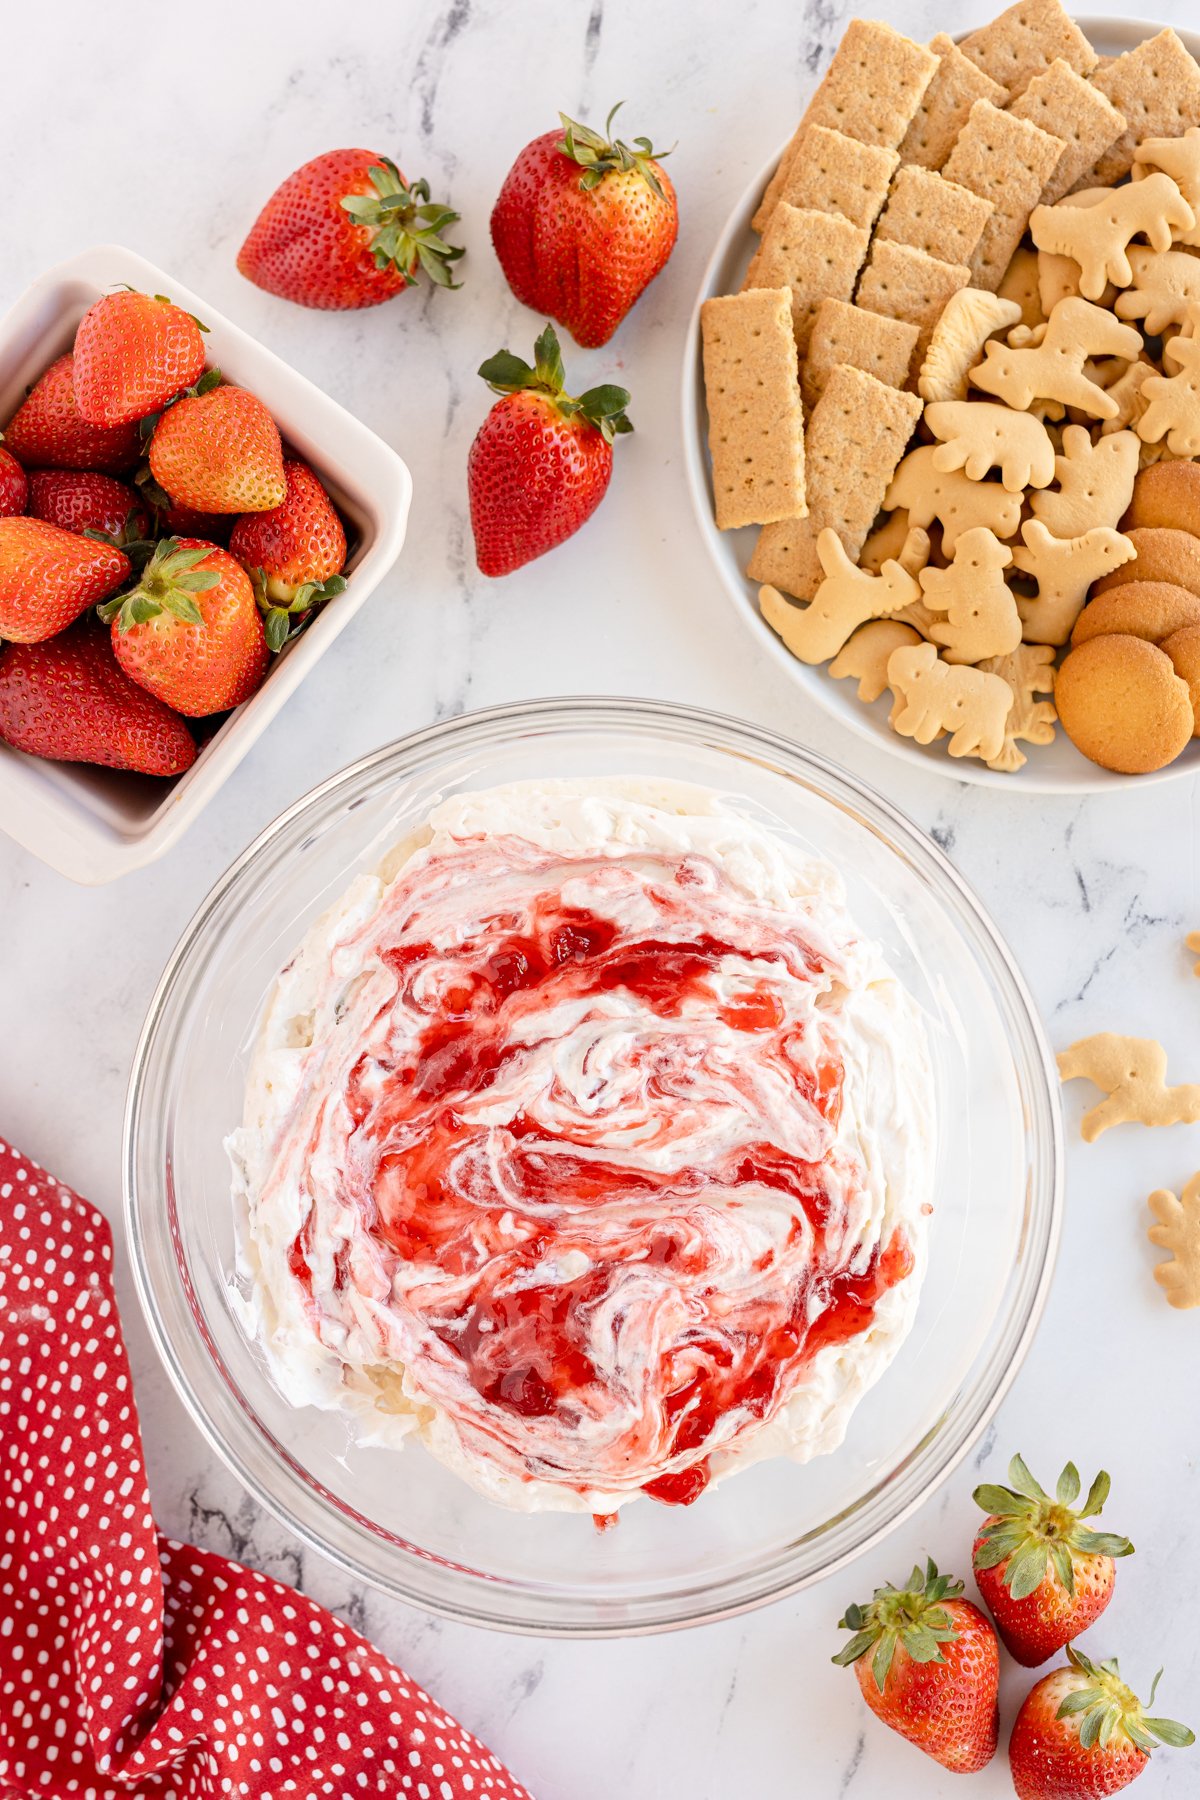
(970, 704)
(1053, 367)
(1097, 236)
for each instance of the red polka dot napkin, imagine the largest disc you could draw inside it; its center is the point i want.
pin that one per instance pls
(133, 1665)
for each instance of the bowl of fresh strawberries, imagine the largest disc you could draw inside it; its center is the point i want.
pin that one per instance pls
(186, 524)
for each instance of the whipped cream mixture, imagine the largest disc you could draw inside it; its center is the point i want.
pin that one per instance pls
(588, 1141)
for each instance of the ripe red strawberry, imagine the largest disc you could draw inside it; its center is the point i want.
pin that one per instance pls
(293, 555)
(1044, 1575)
(541, 460)
(934, 1668)
(133, 353)
(49, 576)
(14, 486)
(169, 520)
(47, 430)
(189, 632)
(1081, 1734)
(583, 225)
(81, 500)
(68, 700)
(219, 452)
(346, 231)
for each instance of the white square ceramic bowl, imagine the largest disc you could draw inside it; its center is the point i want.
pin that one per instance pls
(94, 824)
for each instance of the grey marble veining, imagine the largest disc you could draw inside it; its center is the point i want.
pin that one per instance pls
(165, 132)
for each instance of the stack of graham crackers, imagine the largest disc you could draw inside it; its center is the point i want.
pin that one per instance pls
(910, 179)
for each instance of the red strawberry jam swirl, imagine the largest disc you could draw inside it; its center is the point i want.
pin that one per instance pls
(567, 1145)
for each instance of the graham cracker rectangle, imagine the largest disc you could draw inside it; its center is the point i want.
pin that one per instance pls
(904, 283)
(833, 173)
(1064, 104)
(1157, 88)
(856, 436)
(932, 214)
(1008, 161)
(1026, 39)
(755, 423)
(957, 84)
(858, 339)
(870, 92)
(874, 84)
(817, 255)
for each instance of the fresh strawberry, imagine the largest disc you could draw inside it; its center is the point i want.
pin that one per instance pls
(189, 631)
(133, 353)
(169, 520)
(346, 231)
(219, 451)
(68, 700)
(1044, 1575)
(49, 576)
(47, 430)
(293, 555)
(81, 500)
(541, 460)
(14, 486)
(1081, 1734)
(583, 225)
(933, 1669)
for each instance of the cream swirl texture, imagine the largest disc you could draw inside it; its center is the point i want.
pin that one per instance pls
(590, 1142)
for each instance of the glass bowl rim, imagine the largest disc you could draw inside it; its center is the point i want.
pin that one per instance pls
(294, 1498)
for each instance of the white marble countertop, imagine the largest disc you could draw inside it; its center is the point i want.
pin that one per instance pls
(165, 131)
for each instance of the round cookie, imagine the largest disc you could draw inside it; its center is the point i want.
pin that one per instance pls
(1166, 495)
(1141, 609)
(1183, 648)
(1121, 703)
(1162, 555)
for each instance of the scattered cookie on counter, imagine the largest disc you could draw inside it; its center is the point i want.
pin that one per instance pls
(1177, 1228)
(1006, 226)
(1192, 940)
(1132, 1074)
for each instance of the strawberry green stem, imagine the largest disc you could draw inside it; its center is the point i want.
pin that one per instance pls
(600, 155)
(406, 226)
(166, 584)
(603, 407)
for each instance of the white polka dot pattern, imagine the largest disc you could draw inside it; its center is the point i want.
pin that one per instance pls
(131, 1665)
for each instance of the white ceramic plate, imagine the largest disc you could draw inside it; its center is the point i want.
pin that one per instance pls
(94, 824)
(1058, 767)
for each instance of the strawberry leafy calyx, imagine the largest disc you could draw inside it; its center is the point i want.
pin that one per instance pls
(603, 407)
(1029, 1531)
(1107, 1707)
(284, 620)
(406, 226)
(168, 583)
(599, 153)
(913, 1616)
(210, 379)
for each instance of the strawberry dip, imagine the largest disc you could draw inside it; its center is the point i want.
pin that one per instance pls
(587, 1142)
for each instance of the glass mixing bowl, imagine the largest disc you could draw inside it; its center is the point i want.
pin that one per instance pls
(397, 1518)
